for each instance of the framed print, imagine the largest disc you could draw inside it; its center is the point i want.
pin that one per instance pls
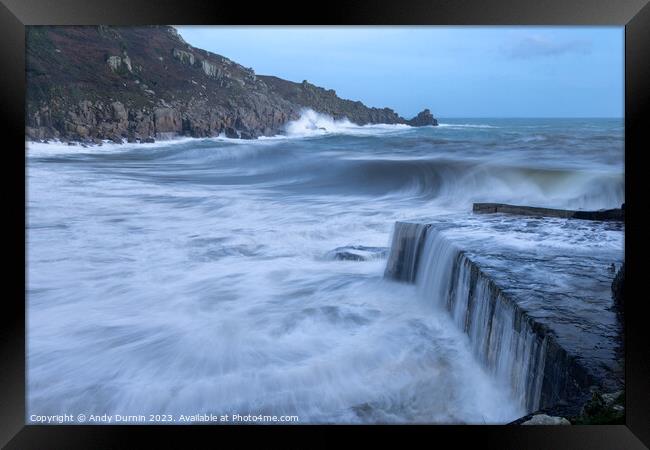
(371, 218)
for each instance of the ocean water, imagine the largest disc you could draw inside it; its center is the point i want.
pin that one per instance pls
(195, 276)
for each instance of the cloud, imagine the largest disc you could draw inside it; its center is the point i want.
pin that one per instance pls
(539, 46)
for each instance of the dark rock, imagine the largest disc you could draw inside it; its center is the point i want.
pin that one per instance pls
(115, 138)
(600, 409)
(148, 140)
(231, 133)
(357, 253)
(424, 118)
(247, 135)
(119, 112)
(543, 419)
(603, 409)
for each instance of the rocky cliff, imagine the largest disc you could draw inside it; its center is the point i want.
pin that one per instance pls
(141, 83)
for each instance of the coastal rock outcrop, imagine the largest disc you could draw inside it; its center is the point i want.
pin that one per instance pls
(543, 419)
(601, 409)
(167, 120)
(92, 83)
(357, 253)
(423, 118)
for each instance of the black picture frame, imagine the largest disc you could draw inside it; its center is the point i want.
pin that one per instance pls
(16, 14)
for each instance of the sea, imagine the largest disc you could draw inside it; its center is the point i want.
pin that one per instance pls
(194, 277)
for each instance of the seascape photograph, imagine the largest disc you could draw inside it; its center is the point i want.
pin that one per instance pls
(300, 225)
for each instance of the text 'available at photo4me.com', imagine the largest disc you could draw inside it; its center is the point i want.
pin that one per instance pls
(96, 419)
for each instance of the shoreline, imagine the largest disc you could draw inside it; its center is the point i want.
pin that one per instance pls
(177, 138)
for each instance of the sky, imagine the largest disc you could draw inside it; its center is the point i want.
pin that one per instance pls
(454, 71)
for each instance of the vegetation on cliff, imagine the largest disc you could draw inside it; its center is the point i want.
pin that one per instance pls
(90, 83)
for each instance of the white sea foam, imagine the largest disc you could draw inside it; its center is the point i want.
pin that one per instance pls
(192, 278)
(312, 123)
(56, 147)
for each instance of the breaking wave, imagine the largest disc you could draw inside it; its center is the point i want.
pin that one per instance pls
(312, 123)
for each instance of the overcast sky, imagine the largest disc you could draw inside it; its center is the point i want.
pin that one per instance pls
(454, 71)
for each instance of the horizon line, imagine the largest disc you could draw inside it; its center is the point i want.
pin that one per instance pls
(529, 117)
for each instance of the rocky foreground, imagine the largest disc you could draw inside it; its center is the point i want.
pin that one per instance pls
(94, 83)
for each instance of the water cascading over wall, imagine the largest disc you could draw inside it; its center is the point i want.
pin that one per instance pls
(513, 347)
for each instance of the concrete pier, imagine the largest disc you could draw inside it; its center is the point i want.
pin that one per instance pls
(603, 214)
(541, 319)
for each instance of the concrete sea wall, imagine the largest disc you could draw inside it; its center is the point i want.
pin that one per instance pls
(511, 344)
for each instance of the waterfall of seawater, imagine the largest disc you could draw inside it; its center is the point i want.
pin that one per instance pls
(500, 335)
